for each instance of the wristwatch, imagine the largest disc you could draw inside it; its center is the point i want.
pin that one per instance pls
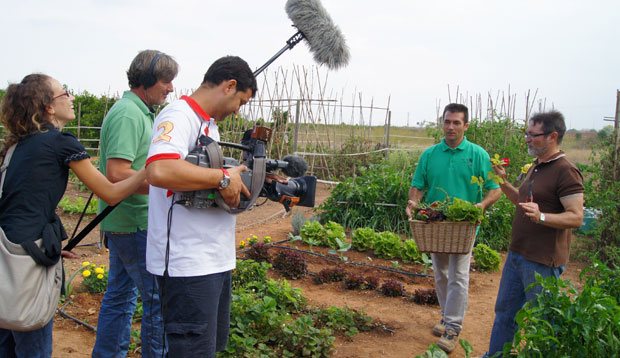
(541, 218)
(225, 182)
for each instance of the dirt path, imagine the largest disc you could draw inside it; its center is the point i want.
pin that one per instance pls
(411, 323)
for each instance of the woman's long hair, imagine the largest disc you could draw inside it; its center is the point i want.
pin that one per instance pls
(23, 108)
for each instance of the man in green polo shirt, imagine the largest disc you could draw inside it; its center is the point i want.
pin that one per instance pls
(123, 147)
(447, 167)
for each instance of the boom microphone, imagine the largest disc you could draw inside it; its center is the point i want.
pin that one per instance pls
(296, 166)
(324, 38)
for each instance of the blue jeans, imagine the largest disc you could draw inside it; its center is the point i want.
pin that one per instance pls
(517, 275)
(127, 277)
(33, 344)
(196, 313)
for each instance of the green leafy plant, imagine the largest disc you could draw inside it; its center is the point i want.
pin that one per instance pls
(496, 228)
(75, 205)
(249, 273)
(388, 245)
(462, 210)
(410, 252)
(343, 320)
(334, 232)
(486, 259)
(297, 222)
(562, 322)
(363, 238)
(312, 233)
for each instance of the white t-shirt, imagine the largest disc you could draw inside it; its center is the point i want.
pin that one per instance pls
(202, 241)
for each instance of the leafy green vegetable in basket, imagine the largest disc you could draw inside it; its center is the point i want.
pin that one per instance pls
(462, 210)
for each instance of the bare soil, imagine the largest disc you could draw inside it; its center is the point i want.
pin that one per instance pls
(407, 325)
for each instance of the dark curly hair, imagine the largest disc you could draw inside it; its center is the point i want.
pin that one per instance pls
(23, 108)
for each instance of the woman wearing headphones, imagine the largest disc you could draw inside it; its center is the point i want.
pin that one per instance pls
(33, 113)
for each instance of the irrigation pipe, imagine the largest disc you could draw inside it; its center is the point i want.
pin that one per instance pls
(62, 312)
(335, 259)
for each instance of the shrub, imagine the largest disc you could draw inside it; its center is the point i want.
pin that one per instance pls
(388, 245)
(486, 259)
(425, 297)
(363, 238)
(562, 322)
(393, 288)
(258, 252)
(495, 229)
(76, 205)
(353, 202)
(290, 264)
(330, 274)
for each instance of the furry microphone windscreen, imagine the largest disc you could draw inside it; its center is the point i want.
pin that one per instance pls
(325, 40)
(296, 166)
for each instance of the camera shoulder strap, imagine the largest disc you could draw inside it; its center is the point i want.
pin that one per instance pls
(5, 165)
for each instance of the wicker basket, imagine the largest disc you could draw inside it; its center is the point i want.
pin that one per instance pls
(448, 237)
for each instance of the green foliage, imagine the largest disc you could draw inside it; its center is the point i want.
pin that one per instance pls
(249, 273)
(75, 205)
(602, 191)
(495, 229)
(333, 232)
(343, 320)
(462, 210)
(388, 245)
(363, 238)
(94, 277)
(375, 198)
(562, 322)
(287, 298)
(603, 276)
(302, 339)
(486, 259)
(313, 233)
(410, 252)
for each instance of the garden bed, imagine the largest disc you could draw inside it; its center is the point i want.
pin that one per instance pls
(408, 324)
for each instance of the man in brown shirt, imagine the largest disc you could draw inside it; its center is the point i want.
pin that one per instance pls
(549, 203)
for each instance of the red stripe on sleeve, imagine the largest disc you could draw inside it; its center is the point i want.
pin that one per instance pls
(162, 156)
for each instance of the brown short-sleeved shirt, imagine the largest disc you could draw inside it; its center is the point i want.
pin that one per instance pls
(547, 182)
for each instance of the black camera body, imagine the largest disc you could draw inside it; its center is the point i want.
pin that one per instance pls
(299, 190)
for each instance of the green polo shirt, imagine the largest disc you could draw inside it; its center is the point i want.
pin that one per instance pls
(441, 168)
(126, 134)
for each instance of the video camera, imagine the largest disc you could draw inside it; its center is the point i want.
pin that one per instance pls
(299, 190)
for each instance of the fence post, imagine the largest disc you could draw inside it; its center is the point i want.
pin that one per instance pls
(616, 175)
(387, 133)
(296, 129)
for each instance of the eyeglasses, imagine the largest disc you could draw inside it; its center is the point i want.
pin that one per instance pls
(65, 93)
(535, 135)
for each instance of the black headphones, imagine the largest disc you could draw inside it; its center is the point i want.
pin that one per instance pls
(148, 78)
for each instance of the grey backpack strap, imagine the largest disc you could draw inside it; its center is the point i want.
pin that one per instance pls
(5, 165)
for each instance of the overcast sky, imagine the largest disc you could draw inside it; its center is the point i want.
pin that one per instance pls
(411, 50)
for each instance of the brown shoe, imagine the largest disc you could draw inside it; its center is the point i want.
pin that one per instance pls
(439, 329)
(448, 340)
